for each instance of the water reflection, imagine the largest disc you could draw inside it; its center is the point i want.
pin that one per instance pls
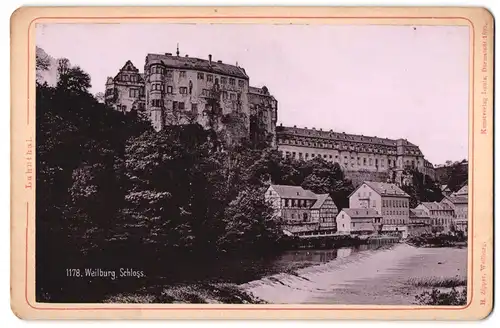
(312, 256)
(246, 269)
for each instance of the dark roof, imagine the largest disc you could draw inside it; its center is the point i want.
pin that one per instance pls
(197, 64)
(295, 192)
(444, 187)
(464, 191)
(458, 199)
(344, 136)
(386, 189)
(259, 91)
(418, 213)
(320, 201)
(437, 206)
(361, 213)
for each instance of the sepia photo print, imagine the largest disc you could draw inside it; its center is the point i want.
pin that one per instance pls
(252, 163)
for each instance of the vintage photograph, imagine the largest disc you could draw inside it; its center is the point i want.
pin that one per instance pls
(252, 163)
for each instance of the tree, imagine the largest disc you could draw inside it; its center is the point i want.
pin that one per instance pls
(73, 80)
(250, 225)
(42, 60)
(99, 97)
(80, 147)
(422, 188)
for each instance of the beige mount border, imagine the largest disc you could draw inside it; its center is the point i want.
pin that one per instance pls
(480, 261)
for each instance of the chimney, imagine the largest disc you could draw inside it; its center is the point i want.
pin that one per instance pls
(210, 59)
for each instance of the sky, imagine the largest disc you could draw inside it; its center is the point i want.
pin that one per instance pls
(407, 82)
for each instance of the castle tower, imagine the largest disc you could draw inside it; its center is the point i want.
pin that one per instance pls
(156, 91)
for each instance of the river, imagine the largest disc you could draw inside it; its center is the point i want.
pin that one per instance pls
(391, 275)
(367, 274)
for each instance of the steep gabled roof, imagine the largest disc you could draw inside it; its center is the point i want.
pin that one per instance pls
(129, 67)
(361, 213)
(197, 64)
(444, 187)
(383, 189)
(458, 199)
(418, 213)
(435, 206)
(464, 191)
(295, 192)
(321, 199)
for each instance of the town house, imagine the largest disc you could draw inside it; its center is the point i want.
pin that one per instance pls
(441, 215)
(358, 221)
(458, 201)
(301, 211)
(390, 201)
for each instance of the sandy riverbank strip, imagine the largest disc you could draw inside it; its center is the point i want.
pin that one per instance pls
(388, 276)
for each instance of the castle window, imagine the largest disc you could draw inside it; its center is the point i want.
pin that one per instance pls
(331, 156)
(307, 155)
(376, 161)
(371, 161)
(241, 83)
(182, 74)
(364, 161)
(183, 90)
(300, 155)
(156, 70)
(194, 108)
(170, 89)
(324, 156)
(232, 96)
(293, 154)
(174, 105)
(157, 87)
(125, 78)
(312, 155)
(157, 102)
(231, 81)
(169, 74)
(200, 76)
(181, 105)
(224, 94)
(134, 93)
(133, 78)
(210, 77)
(223, 80)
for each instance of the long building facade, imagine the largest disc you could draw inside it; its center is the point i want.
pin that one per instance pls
(352, 152)
(175, 90)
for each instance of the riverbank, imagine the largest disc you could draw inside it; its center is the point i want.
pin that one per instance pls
(394, 276)
(442, 240)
